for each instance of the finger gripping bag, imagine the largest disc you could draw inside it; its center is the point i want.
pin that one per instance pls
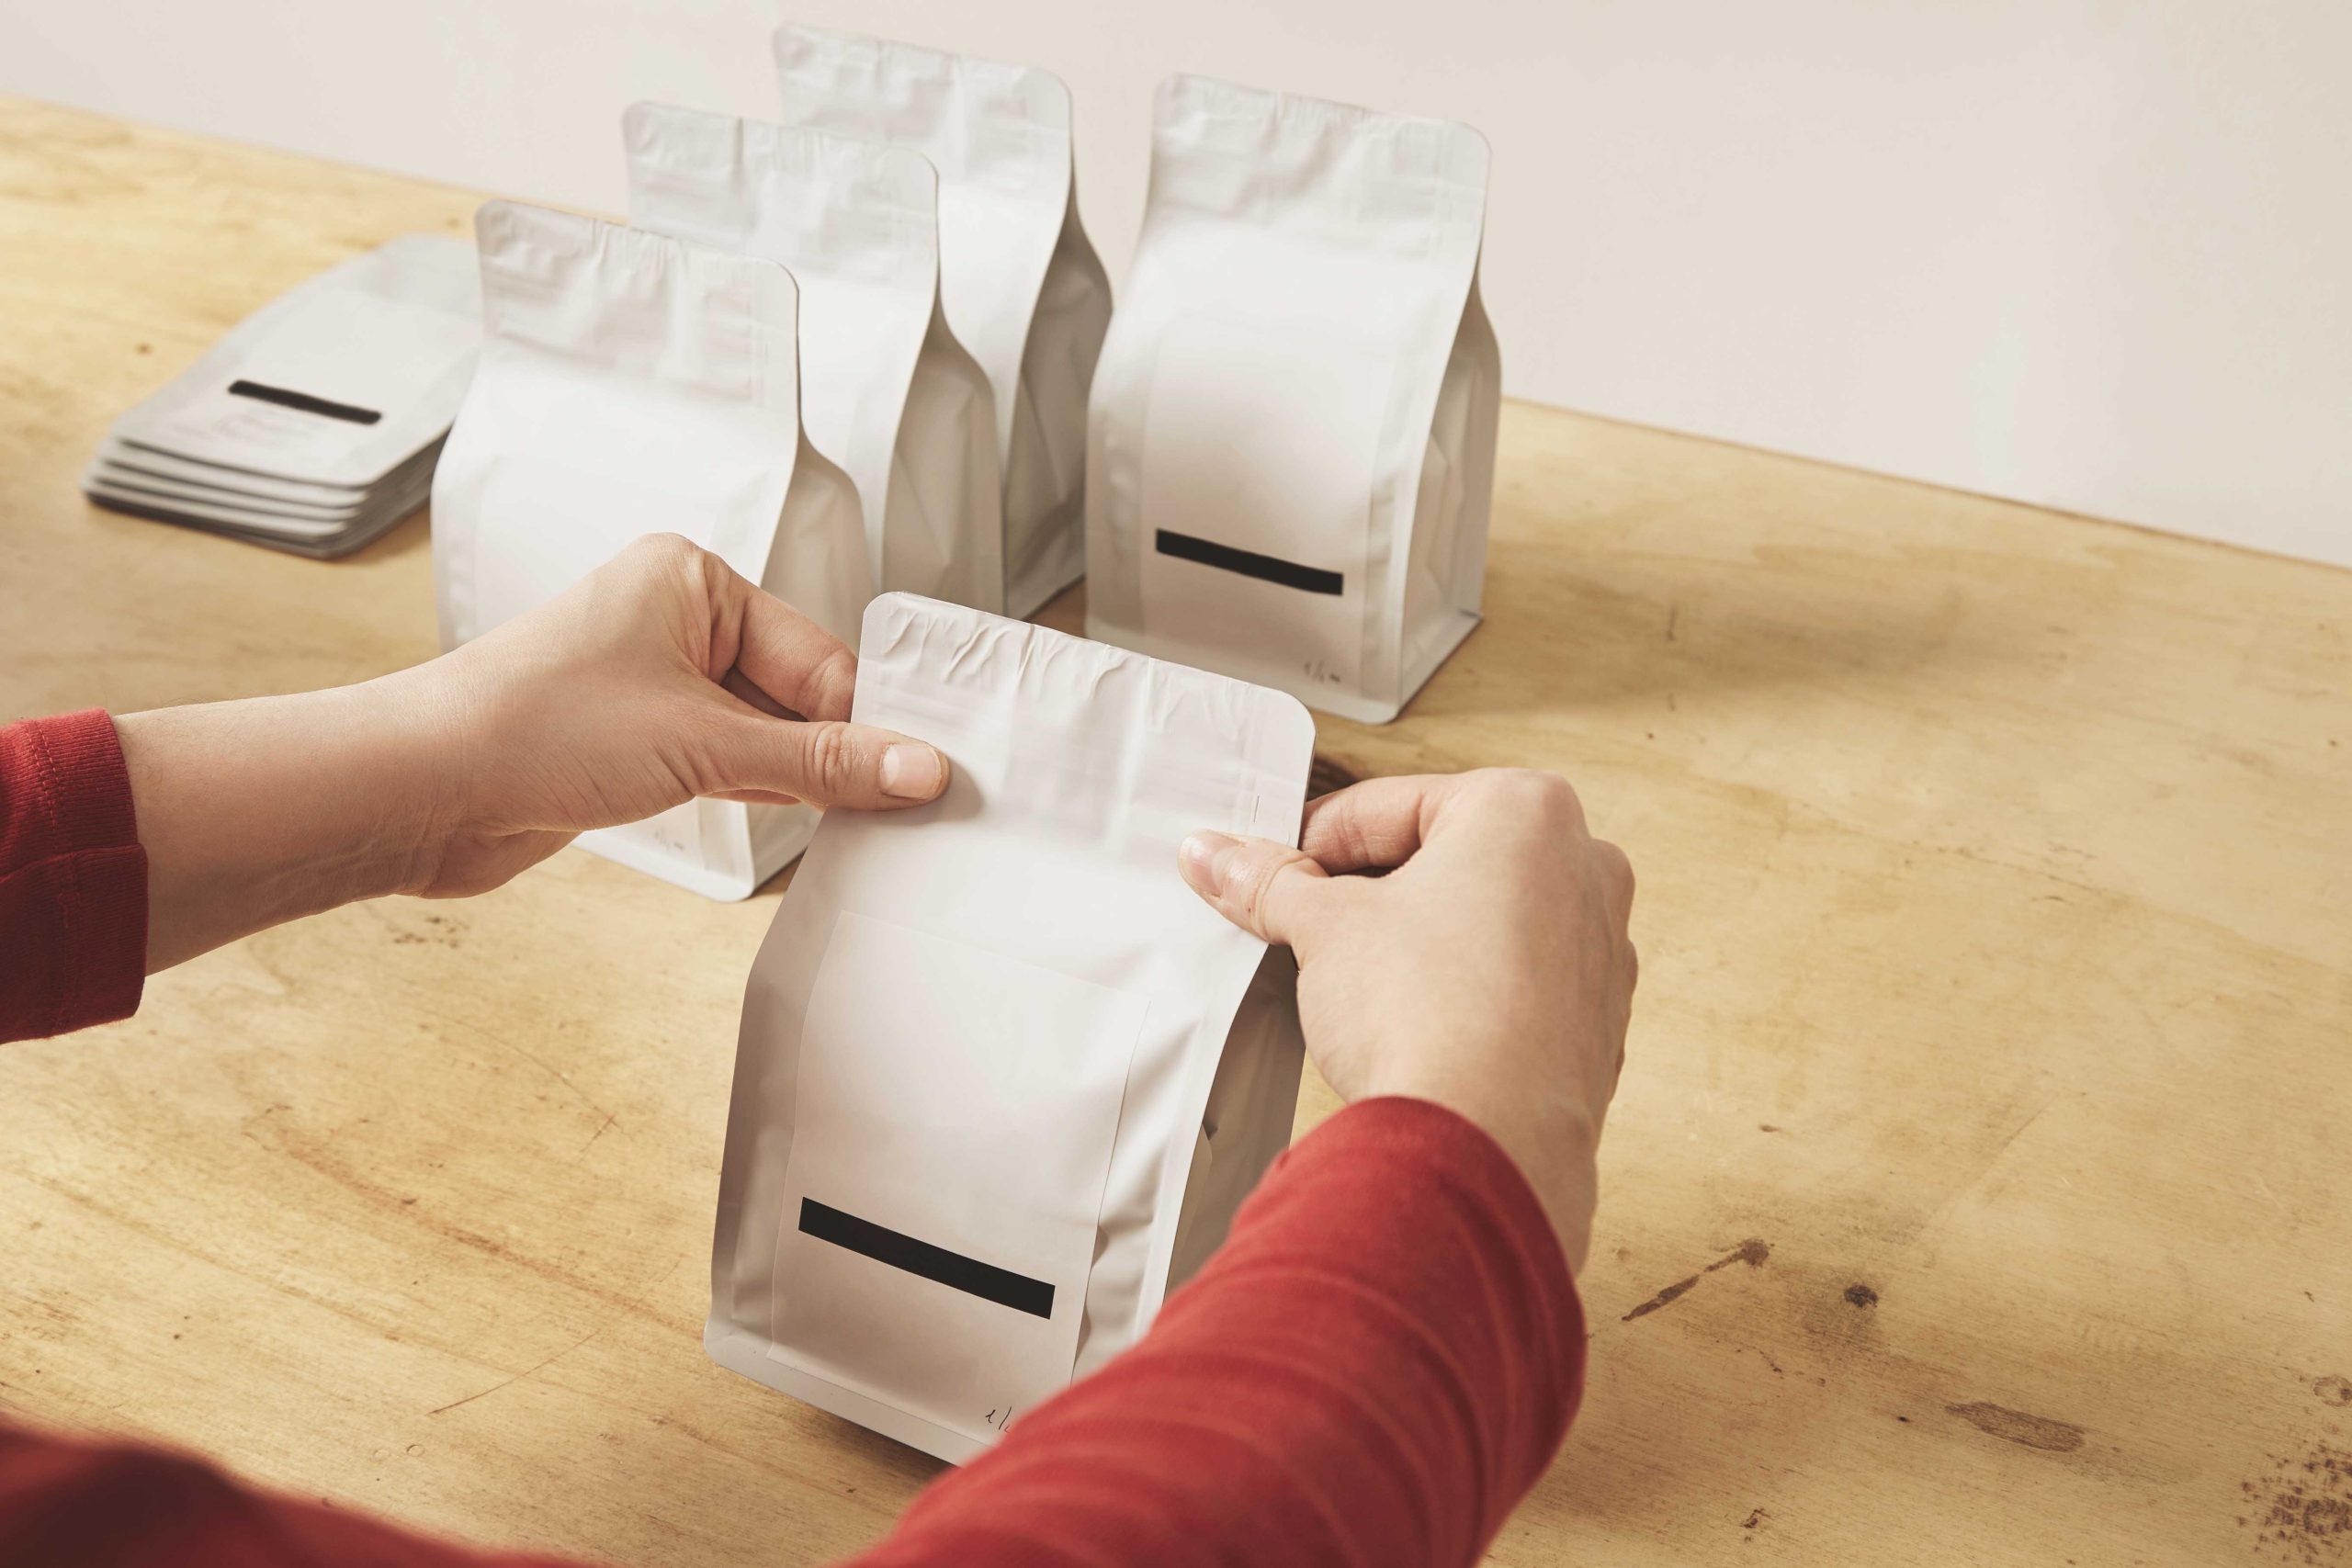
(1291, 446)
(630, 384)
(886, 390)
(1002, 1078)
(1019, 280)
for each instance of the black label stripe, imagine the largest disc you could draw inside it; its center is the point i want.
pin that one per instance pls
(1249, 563)
(900, 1250)
(288, 398)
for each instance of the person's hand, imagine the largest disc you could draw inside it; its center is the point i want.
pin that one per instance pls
(1490, 970)
(660, 677)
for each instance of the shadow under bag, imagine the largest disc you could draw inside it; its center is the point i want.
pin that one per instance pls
(1291, 448)
(1003, 1078)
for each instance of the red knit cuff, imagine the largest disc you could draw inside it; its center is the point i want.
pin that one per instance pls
(88, 789)
(74, 874)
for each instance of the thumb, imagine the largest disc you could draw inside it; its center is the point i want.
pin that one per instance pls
(1268, 890)
(824, 763)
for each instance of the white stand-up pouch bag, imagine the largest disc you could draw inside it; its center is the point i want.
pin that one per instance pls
(632, 384)
(1023, 287)
(886, 390)
(1003, 1078)
(1291, 445)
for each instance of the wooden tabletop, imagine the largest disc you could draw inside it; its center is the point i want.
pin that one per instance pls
(1980, 1190)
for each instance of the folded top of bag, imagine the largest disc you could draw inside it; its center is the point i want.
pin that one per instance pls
(686, 317)
(1220, 749)
(1365, 181)
(1009, 124)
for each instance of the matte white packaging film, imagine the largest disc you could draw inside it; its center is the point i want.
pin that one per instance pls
(1020, 285)
(886, 390)
(1002, 1078)
(402, 492)
(387, 340)
(629, 382)
(1291, 446)
(190, 480)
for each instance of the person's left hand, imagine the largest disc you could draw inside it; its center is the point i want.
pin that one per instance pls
(660, 677)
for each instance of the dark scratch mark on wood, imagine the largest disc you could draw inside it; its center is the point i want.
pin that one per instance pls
(503, 1044)
(2018, 1426)
(1665, 1297)
(518, 1377)
(1752, 1252)
(609, 1119)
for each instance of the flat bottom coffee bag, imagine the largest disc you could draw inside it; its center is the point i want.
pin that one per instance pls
(1002, 1078)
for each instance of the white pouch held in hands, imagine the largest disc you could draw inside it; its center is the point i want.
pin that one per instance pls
(633, 384)
(1292, 444)
(1003, 1078)
(1022, 288)
(886, 390)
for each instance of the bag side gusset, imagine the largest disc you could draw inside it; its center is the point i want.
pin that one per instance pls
(1046, 474)
(1251, 1107)
(1444, 587)
(1155, 1229)
(1032, 312)
(991, 131)
(945, 481)
(839, 215)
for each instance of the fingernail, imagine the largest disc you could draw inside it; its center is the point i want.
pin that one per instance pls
(911, 771)
(1202, 860)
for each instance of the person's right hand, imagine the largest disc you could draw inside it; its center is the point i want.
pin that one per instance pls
(1490, 971)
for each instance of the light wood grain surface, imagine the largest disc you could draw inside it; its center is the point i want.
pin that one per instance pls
(1981, 1186)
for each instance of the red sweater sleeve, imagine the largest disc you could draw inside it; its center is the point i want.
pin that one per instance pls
(73, 878)
(1377, 1364)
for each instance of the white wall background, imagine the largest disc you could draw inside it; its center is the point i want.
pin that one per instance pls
(2092, 254)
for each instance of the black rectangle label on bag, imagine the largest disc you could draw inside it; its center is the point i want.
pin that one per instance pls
(1249, 563)
(286, 397)
(900, 1250)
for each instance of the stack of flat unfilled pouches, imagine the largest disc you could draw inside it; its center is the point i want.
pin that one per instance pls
(314, 425)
